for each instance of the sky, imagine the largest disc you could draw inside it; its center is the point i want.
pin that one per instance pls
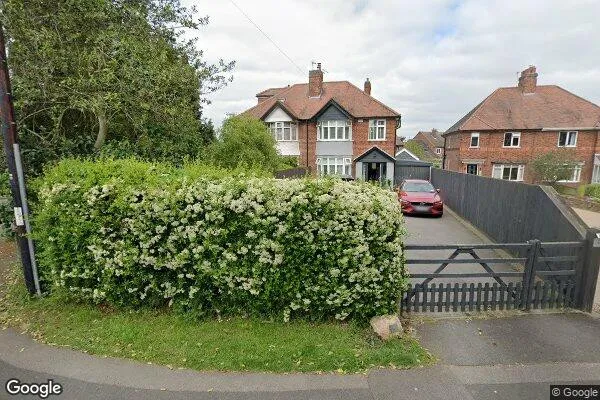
(430, 60)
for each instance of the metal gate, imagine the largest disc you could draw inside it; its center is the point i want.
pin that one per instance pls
(541, 275)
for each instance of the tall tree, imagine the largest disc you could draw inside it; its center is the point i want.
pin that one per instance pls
(90, 71)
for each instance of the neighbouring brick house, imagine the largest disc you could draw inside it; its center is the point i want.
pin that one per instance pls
(332, 127)
(514, 125)
(432, 143)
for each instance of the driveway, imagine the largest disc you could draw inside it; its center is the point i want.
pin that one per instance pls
(450, 229)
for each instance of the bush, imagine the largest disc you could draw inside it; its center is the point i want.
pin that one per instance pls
(133, 234)
(593, 190)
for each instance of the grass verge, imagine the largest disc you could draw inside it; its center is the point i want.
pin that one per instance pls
(227, 345)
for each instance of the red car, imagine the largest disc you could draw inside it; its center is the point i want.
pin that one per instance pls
(420, 197)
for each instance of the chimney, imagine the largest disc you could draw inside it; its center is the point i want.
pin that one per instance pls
(528, 80)
(367, 87)
(315, 82)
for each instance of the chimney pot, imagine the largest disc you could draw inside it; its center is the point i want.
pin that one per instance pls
(367, 87)
(315, 82)
(528, 80)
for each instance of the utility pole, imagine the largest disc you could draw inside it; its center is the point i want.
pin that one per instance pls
(15, 169)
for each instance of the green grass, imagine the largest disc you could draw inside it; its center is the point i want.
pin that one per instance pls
(227, 345)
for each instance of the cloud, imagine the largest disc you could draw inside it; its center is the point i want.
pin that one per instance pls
(431, 60)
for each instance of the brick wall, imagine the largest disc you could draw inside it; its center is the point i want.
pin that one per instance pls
(360, 140)
(532, 144)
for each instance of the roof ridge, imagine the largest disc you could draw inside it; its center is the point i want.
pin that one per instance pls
(377, 101)
(262, 104)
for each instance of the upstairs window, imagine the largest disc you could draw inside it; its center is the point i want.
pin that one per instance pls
(474, 140)
(334, 130)
(512, 139)
(567, 139)
(438, 150)
(377, 129)
(284, 131)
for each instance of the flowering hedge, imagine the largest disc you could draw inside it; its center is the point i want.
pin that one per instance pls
(134, 234)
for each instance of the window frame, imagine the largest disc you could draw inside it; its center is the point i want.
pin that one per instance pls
(478, 169)
(374, 125)
(438, 150)
(575, 176)
(474, 135)
(275, 125)
(334, 123)
(324, 163)
(567, 136)
(520, 171)
(514, 135)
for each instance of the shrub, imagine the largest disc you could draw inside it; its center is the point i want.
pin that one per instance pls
(593, 190)
(133, 234)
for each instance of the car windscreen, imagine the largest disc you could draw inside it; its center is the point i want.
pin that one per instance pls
(418, 187)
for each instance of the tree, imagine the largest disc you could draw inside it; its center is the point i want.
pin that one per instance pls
(415, 147)
(244, 142)
(554, 166)
(90, 71)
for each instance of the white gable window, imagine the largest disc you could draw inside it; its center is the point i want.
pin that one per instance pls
(377, 129)
(438, 150)
(284, 131)
(331, 165)
(474, 140)
(512, 139)
(567, 139)
(334, 130)
(510, 172)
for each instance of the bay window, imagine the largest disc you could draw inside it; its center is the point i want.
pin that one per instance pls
(334, 165)
(284, 131)
(334, 130)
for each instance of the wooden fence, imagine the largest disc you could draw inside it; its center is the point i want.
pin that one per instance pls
(540, 282)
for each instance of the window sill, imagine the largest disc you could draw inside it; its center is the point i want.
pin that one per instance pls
(474, 147)
(568, 147)
(511, 147)
(376, 140)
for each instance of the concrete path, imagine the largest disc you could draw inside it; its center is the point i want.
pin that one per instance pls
(451, 229)
(499, 358)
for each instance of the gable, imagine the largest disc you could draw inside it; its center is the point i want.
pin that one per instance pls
(405, 154)
(375, 154)
(332, 112)
(277, 114)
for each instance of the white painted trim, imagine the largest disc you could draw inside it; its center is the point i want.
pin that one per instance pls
(408, 151)
(567, 139)
(513, 133)
(471, 140)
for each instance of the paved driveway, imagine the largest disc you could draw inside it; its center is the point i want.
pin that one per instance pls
(450, 230)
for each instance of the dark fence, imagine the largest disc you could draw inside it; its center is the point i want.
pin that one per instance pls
(515, 212)
(533, 286)
(291, 173)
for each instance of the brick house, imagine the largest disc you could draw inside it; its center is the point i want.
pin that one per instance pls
(332, 127)
(514, 125)
(432, 142)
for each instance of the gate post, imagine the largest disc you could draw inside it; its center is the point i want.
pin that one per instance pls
(588, 276)
(529, 276)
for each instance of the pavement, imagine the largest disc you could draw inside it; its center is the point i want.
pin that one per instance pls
(479, 358)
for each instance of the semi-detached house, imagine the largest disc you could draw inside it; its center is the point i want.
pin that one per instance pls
(332, 127)
(513, 125)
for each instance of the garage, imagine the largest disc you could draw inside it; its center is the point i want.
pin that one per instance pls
(408, 166)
